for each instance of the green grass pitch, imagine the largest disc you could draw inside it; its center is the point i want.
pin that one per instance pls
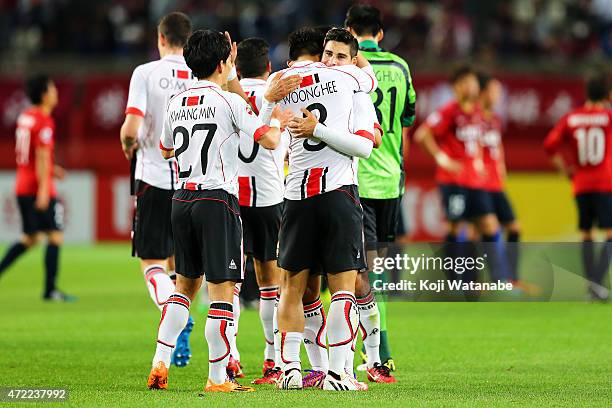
(448, 354)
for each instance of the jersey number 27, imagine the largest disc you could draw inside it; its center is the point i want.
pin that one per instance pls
(211, 128)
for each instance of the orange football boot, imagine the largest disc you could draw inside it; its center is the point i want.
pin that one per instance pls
(227, 386)
(158, 379)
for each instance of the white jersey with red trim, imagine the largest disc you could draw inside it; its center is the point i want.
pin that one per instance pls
(364, 112)
(314, 167)
(364, 116)
(261, 172)
(203, 126)
(151, 87)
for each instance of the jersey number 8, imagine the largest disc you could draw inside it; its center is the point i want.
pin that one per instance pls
(322, 116)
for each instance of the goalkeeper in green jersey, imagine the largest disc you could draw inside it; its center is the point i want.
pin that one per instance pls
(381, 176)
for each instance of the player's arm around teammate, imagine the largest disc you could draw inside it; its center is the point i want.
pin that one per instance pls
(205, 213)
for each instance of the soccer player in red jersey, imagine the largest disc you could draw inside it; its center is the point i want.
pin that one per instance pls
(495, 167)
(451, 136)
(588, 132)
(40, 210)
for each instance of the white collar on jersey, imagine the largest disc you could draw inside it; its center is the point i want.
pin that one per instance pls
(204, 84)
(252, 81)
(299, 64)
(174, 58)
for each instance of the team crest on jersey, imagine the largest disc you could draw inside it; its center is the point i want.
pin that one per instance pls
(182, 74)
(309, 80)
(192, 100)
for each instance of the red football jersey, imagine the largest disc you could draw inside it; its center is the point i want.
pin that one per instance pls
(34, 129)
(492, 152)
(458, 135)
(588, 130)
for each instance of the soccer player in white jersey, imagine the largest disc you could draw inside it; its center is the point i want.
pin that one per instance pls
(202, 129)
(261, 185)
(338, 52)
(322, 225)
(364, 115)
(154, 179)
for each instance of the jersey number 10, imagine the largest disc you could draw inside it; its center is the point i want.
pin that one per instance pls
(591, 145)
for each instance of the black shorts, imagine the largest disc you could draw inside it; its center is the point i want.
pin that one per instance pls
(380, 218)
(594, 209)
(503, 208)
(152, 229)
(33, 220)
(464, 204)
(207, 234)
(323, 233)
(260, 227)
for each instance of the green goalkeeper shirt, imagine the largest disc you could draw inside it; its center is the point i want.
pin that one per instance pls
(381, 176)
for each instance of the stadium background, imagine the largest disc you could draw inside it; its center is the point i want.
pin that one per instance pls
(540, 50)
(448, 354)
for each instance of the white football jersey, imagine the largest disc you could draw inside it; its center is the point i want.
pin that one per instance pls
(261, 172)
(364, 116)
(151, 87)
(364, 112)
(315, 168)
(203, 125)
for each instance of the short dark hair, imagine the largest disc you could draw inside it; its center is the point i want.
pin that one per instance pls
(204, 50)
(460, 72)
(342, 35)
(484, 79)
(176, 28)
(323, 28)
(305, 41)
(36, 86)
(364, 19)
(597, 88)
(252, 60)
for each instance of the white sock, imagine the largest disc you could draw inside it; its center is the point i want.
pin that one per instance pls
(173, 320)
(219, 327)
(369, 319)
(342, 322)
(290, 350)
(277, 336)
(236, 304)
(350, 360)
(315, 334)
(267, 299)
(159, 284)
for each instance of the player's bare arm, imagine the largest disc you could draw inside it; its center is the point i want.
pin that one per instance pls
(424, 136)
(280, 119)
(43, 169)
(303, 127)
(278, 88)
(281, 86)
(59, 172)
(167, 154)
(361, 62)
(129, 134)
(233, 84)
(559, 162)
(406, 139)
(377, 138)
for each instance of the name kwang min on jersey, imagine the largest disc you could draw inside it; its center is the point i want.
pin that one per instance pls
(192, 113)
(315, 91)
